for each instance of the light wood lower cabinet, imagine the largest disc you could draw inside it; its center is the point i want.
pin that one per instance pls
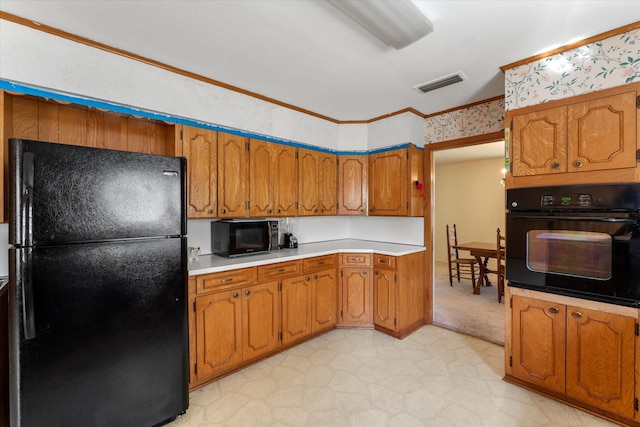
(241, 315)
(234, 326)
(356, 297)
(584, 353)
(398, 293)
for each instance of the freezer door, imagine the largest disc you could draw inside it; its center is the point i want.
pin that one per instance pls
(63, 193)
(110, 343)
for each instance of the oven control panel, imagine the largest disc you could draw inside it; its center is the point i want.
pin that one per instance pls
(568, 200)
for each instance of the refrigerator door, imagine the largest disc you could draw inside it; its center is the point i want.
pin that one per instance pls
(109, 345)
(64, 193)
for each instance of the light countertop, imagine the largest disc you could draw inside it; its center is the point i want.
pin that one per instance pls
(213, 263)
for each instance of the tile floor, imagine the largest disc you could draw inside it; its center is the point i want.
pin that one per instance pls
(433, 377)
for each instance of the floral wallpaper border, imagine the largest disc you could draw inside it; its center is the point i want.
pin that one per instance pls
(471, 121)
(604, 64)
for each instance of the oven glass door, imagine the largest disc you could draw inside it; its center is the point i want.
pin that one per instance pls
(589, 255)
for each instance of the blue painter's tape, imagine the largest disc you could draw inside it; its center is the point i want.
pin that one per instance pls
(138, 112)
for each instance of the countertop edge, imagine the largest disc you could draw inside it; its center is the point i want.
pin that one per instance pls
(213, 264)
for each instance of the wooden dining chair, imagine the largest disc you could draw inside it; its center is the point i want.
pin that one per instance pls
(460, 268)
(500, 264)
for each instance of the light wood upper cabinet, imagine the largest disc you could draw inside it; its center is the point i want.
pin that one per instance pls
(591, 134)
(308, 188)
(393, 176)
(286, 180)
(602, 133)
(233, 176)
(317, 183)
(353, 184)
(273, 176)
(199, 146)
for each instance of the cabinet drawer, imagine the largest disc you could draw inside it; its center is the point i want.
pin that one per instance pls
(225, 279)
(279, 270)
(356, 259)
(319, 262)
(384, 261)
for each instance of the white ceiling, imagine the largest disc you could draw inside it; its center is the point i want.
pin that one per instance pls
(308, 54)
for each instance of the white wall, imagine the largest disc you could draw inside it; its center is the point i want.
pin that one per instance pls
(53, 64)
(470, 195)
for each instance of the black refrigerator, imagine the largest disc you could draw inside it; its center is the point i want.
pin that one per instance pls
(97, 287)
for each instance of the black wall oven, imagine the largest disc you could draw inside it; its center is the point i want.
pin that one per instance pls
(581, 241)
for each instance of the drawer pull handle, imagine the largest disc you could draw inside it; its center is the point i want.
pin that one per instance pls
(382, 261)
(554, 310)
(576, 314)
(321, 263)
(229, 280)
(280, 270)
(236, 295)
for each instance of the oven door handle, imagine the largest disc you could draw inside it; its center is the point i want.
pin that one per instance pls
(573, 218)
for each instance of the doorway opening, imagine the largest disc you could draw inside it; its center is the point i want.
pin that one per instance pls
(465, 188)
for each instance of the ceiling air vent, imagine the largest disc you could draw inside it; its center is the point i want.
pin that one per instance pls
(440, 82)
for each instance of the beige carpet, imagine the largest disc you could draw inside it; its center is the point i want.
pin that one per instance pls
(457, 308)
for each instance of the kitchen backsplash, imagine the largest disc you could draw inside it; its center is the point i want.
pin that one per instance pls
(611, 62)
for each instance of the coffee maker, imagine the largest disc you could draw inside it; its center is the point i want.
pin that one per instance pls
(290, 241)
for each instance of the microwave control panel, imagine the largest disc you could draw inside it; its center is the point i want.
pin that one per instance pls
(567, 200)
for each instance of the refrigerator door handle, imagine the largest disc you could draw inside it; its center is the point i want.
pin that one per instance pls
(27, 297)
(27, 198)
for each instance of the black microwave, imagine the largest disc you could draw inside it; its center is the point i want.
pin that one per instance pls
(238, 237)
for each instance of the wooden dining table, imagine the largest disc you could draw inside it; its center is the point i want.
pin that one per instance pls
(482, 251)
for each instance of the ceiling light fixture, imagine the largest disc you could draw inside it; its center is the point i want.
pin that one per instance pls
(443, 81)
(397, 23)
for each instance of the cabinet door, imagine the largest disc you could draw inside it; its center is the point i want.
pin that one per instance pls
(384, 299)
(356, 295)
(600, 359)
(262, 178)
(327, 183)
(308, 172)
(260, 319)
(388, 183)
(538, 346)
(324, 297)
(219, 332)
(602, 133)
(233, 176)
(286, 181)
(296, 308)
(539, 141)
(352, 185)
(200, 149)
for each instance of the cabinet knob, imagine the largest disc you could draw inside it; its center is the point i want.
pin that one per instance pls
(210, 211)
(247, 293)
(554, 310)
(576, 314)
(555, 165)
(223, 211)
(279, 210)
(577, 163)
(236, 295)
(268, 210)
(307, 278)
